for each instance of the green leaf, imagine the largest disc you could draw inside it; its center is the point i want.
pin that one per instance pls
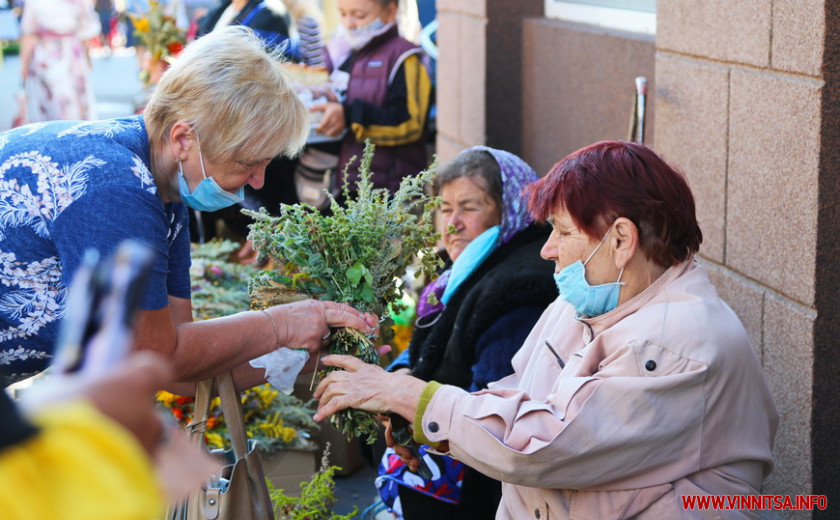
(367, 294)
(355, 273)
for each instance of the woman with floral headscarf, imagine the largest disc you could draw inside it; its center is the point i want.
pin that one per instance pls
(473, 318)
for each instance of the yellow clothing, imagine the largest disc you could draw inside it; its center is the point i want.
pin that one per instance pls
(80, 466)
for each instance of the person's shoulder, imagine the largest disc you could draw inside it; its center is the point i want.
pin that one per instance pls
(107, 136)
(404, 46)
(688, 316)
(122, 143)
(74, 147)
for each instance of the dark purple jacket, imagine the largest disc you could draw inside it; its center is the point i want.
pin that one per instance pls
(370, 77)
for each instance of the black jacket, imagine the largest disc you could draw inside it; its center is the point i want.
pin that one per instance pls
(14, 429)
(513, 277)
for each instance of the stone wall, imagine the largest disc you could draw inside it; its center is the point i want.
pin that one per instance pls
(480, 73)
(740, 108)
(579, 87)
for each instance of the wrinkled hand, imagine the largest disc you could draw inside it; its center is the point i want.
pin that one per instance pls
(366, 387)
(306, 324)
(333, 122)
(124, 394)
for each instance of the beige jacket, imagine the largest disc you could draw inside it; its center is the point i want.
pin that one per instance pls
(661, 398)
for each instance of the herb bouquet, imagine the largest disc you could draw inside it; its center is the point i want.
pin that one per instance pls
(356, 254)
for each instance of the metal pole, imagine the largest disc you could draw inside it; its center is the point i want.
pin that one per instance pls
(641, 100)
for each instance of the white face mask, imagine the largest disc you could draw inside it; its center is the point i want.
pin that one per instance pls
(360, 36)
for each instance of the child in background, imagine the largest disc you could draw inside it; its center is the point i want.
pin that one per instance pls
(384, 92)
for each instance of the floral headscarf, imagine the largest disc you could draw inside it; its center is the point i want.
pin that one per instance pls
(516, 174)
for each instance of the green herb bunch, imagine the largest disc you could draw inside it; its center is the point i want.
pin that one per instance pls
(355, 254)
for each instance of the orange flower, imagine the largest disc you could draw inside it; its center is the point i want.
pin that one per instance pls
(212, 422)
(174, 48)
(178, 413)
(182, 400)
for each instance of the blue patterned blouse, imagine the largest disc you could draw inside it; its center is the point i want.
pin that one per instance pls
(65, 187)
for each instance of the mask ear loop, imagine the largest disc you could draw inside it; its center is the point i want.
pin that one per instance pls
(620, 273)
(200, 157)
(588, 258)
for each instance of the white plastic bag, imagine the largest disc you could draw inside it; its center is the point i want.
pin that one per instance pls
(282, 367)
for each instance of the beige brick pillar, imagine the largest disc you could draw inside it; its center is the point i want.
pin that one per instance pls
(747, 106)
(479, 73)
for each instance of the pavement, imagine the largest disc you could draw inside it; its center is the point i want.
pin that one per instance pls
(358, 491)
(116, 85)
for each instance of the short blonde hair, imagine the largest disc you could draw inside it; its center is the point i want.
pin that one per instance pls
(236, 95)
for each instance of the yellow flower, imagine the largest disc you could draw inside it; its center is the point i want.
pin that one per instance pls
(159, 35)
(266, 395)
(166, 398)
(214, 440)
(289, 434)
(141, 25)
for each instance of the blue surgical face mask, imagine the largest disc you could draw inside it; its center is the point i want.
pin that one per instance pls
(360, 36)
(208, 195)
(588, 300)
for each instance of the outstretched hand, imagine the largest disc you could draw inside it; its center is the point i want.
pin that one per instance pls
(365, 387)
(124, 394)
(306, 324)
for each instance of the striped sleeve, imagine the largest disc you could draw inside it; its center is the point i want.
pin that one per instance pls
(311, 44)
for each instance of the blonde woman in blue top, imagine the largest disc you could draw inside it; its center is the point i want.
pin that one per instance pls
(216, 118)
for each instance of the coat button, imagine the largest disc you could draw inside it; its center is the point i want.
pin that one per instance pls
(650, 365)
(536, 513)
(433, 427)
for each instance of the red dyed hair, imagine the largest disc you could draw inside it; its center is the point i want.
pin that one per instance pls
(611, 179)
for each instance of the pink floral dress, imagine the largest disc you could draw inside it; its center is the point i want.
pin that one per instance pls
(59, 85)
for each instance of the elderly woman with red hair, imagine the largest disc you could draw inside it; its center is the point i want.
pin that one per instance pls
(636, 388)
